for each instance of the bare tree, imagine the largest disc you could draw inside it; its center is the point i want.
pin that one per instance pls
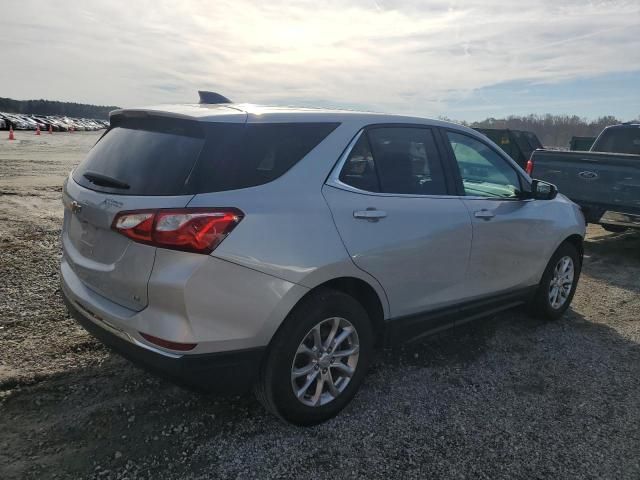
(552, 130)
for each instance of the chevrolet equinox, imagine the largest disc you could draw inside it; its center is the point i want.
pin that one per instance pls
(234, 246)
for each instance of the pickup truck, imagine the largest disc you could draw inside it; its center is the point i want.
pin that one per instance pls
(518, 144)
(604, 181)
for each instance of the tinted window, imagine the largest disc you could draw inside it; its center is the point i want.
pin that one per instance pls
(407, 160)
(619, 140)
(173, 157)
(149, 162)
(533, 140)
(484, 173)
(525, 147)
(257, 154)
(359, 170)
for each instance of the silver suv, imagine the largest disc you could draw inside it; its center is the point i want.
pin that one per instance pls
(233, 246)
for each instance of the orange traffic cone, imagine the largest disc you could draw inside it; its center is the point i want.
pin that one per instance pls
(37, 129)
(11, 136)
(50, 129)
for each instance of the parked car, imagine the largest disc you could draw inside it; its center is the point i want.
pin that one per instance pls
(38, 122)
(605, 181)
(16, 122)
(58, 124)
(42, 122)
(231, 247)
(31, 122)
(518, 144)
(582, 144)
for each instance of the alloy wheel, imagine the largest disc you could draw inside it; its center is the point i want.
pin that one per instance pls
(325, 362)
(561, 282)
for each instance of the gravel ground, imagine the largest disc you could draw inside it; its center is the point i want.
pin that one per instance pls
(505, 397)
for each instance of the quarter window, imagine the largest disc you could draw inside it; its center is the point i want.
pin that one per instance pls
(484, 173)
(359, 170)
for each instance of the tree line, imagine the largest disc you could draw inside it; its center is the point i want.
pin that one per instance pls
(50, 107)
(552, 130)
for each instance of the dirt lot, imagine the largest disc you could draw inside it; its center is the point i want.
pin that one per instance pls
(506, 397)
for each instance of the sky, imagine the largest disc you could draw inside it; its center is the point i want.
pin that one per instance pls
(465, 60)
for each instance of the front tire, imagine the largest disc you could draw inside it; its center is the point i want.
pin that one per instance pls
(317, 360)
(558, 285)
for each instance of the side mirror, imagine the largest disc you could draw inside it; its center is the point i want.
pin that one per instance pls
(541, 190)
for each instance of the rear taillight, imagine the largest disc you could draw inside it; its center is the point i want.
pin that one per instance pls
(529, 167)
(198, 230)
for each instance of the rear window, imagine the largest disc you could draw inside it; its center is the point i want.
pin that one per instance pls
(619, 140)
(139, 162)
(534, 141)
(525, 147)
(175, 157)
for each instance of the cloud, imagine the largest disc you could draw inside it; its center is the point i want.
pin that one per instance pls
(401, 56)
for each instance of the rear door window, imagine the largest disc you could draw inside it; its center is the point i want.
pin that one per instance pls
(402, 160)
(407, 160)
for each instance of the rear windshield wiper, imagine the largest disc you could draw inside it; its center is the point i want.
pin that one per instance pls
(105, 181)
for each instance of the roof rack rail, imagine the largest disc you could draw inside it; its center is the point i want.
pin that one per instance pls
(212, 98)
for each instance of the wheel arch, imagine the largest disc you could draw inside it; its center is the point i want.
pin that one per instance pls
(577, 241)
(362, 291)
(365, 294)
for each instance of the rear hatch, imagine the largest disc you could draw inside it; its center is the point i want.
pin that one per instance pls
(142, 162)
(148, 161)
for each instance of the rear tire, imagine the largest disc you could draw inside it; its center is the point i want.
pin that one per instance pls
(558, 284)
(296, 358)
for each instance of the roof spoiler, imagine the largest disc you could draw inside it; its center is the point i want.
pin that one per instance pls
(211, 98)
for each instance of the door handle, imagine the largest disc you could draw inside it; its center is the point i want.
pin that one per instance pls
(484, 214)
(370, 214)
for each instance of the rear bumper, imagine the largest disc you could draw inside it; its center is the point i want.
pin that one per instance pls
(224, 372)
(218, 305)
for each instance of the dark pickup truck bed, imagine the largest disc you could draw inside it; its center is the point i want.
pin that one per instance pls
(605, 184)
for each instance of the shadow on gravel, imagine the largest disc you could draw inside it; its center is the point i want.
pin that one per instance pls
(76, 420)
(615, 259)
(463, 344)
(503, 397)
(474, 389)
